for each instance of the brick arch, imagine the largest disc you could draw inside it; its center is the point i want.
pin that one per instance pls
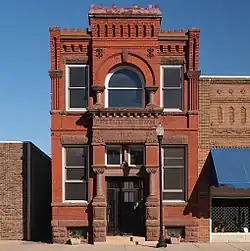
(132, 59)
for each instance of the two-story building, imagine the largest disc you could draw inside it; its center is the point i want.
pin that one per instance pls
(112, 86)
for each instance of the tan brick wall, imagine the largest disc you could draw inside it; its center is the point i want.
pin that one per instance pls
(11, 195)
(224, 109)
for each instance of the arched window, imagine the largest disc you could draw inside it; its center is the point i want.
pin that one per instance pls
(124, 88)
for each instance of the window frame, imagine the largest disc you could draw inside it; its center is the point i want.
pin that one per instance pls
(106, 155)
(122, 148)
(162, 67)
(129, 156)
(67, 85)
(185, 147)
(107, 88)
(64, 168)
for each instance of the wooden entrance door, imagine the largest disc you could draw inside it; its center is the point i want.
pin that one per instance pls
(125, 206)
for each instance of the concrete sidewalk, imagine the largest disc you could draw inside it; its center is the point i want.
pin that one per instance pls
(29, 246)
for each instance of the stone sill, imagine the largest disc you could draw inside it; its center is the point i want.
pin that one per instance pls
(68, 204)
(175, 203)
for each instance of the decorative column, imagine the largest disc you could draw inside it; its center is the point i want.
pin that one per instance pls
(99, 208)
(55, 76)
(152, 208)
(151, 94)
(193, 77)
(98, 89)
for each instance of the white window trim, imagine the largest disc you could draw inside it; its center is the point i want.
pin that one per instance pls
(67, 83)
(161, 89)
(106, 155)
(107, 79)
(162, 183)
(129, 156)
(64, 174)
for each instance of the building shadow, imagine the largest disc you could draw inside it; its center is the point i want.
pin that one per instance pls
(199, 202)
(37, 194)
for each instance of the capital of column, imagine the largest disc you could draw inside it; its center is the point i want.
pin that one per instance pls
(193, 74)
(151, 170)
(99, 170)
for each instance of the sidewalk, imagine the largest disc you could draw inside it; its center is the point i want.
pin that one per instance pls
(29, 246)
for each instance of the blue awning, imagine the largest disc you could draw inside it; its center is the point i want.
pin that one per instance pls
(232, 166)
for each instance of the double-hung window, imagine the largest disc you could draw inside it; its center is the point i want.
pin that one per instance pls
(174, 173)
(77, 84)
(75, 173)
(172, 87)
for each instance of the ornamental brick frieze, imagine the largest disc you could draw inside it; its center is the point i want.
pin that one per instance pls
(175, 140)
(172, 61)
(124, 122)
(148, 112)
(76, 60)
(230, 131)
(73, 140)
(231, 99)
(99, 170)
(123, 136)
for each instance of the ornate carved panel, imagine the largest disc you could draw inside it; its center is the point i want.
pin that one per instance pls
(125, 122)
(175, 140)
(73, 140)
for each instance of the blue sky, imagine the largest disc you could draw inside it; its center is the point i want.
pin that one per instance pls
(24, 46)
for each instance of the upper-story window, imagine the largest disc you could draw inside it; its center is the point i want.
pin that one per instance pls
(124, 88)
(77, 85)
(172, 87)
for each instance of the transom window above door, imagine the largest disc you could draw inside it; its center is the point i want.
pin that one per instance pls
(124, 88)
(133, 155)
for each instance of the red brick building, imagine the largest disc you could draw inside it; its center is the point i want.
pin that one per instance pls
(111, 87)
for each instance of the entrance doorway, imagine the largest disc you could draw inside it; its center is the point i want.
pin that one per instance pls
(125, 206)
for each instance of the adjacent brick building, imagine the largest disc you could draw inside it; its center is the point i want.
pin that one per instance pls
(224, 124)
(111, 87)
(25, 192)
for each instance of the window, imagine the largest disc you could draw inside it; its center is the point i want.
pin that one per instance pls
(77, 82)
(172, 87)
(114, 155)
(75, 173)
(134, 155)
(174, 173)
(124, 89)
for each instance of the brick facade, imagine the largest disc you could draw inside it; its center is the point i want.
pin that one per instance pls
(223, 122)
(98, 126)
(25, 192)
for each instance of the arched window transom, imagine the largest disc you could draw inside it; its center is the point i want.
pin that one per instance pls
(124, 89)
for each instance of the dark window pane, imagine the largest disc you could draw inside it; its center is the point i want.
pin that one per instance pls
(113, 156)
(174, 161)
(174, 178)
(174, 152)
(76, 156)
(76, 191)
(137, 156)
(75, 174)
(125, 78)
(78, 76)
(173, 196)
(172, 77)
(172, 98)
(78, 98)
(125, 98)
